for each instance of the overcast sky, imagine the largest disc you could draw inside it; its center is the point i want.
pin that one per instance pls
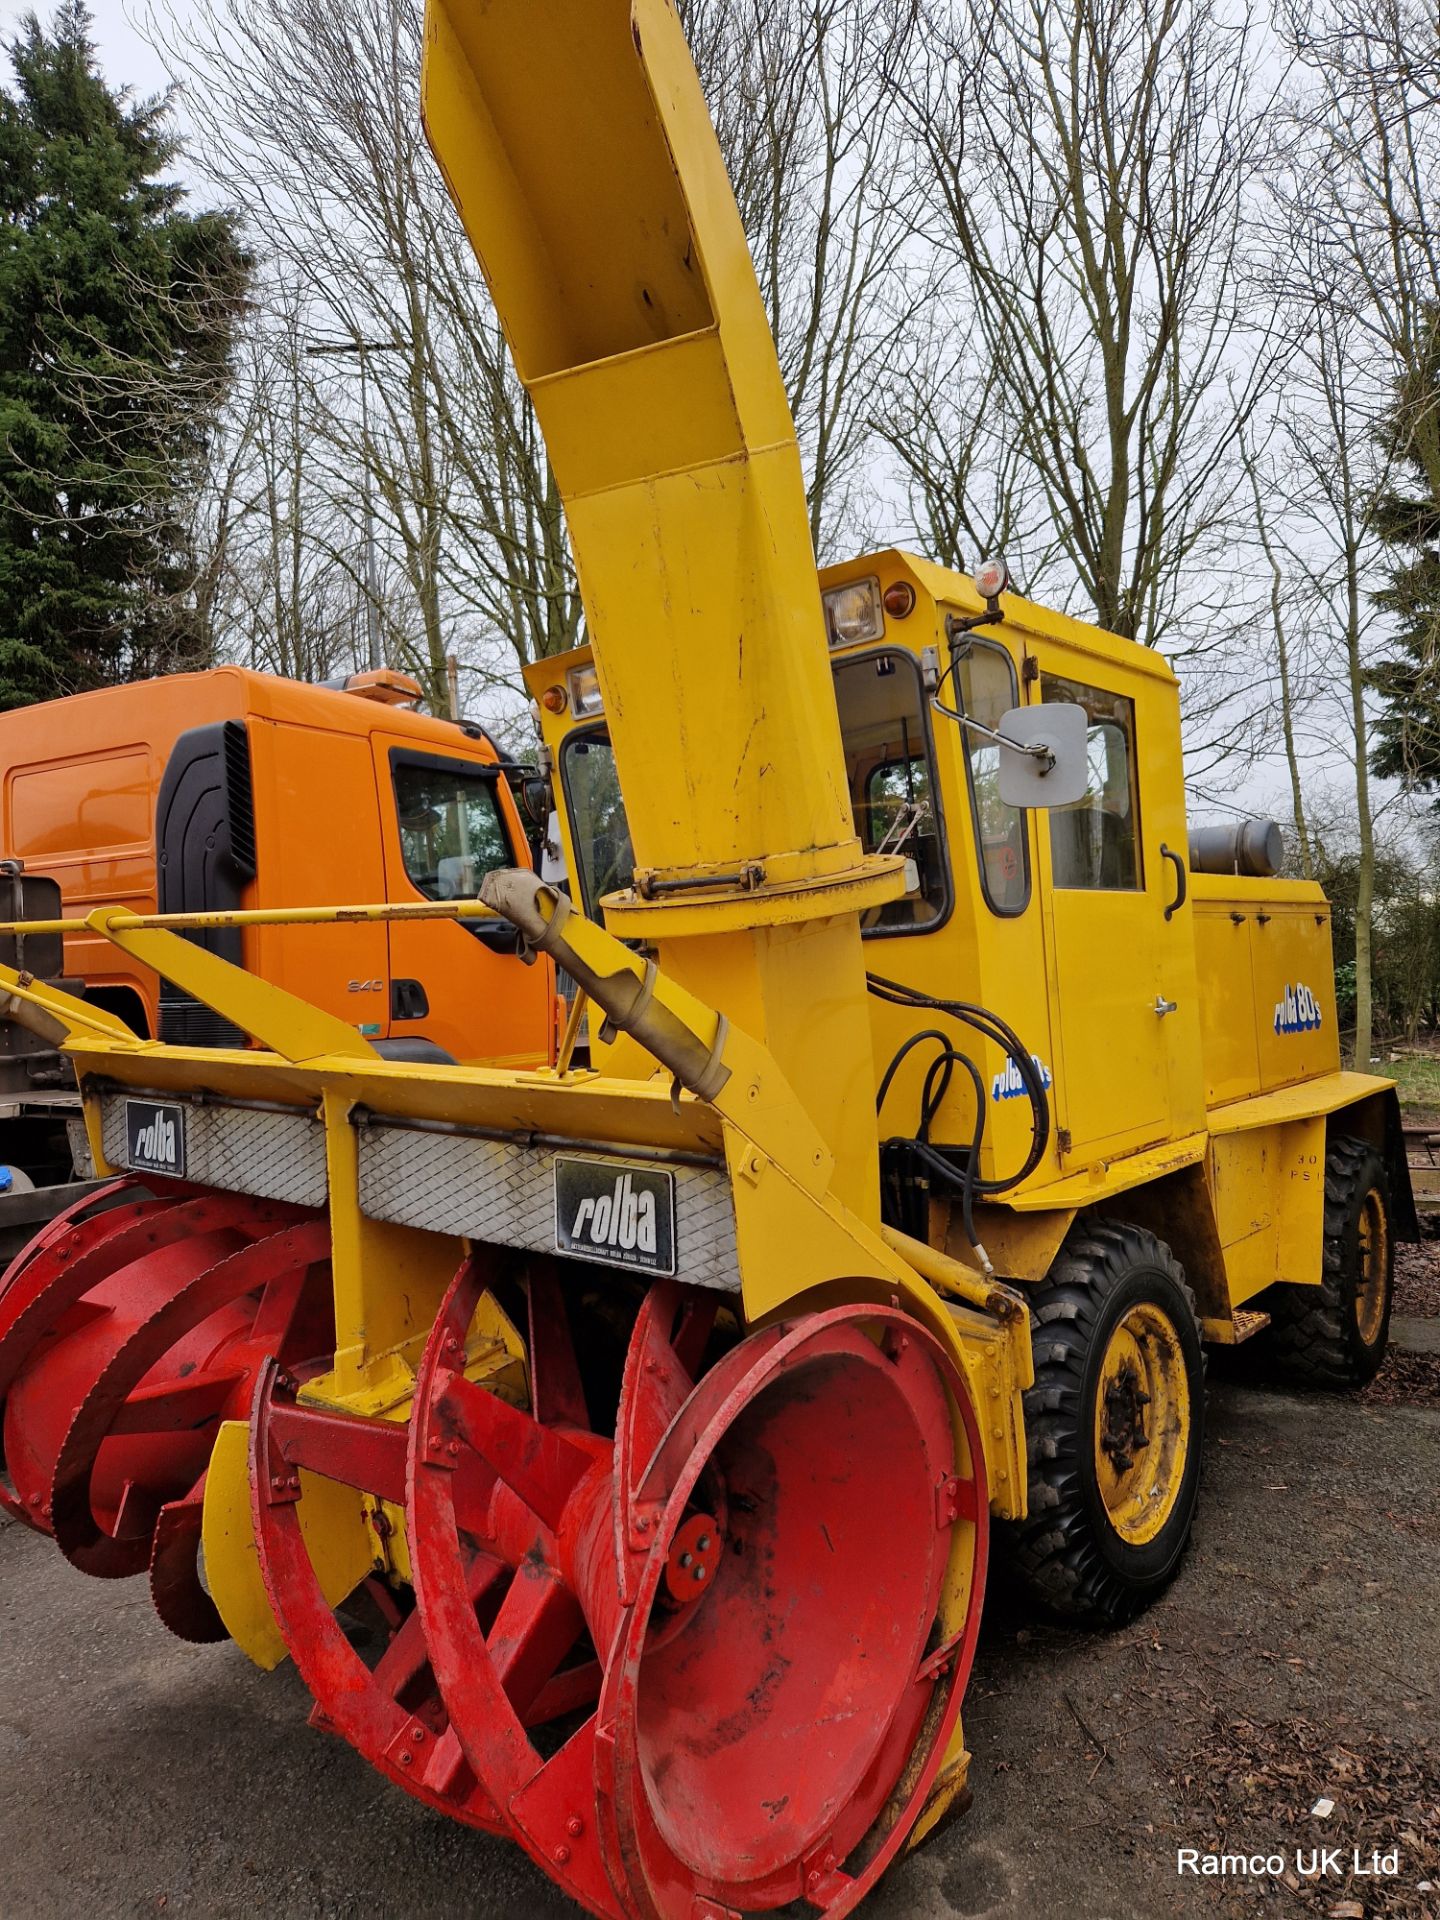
(126, 59)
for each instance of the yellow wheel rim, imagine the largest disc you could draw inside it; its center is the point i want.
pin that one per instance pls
(1142, 1423)
(1373, 1291)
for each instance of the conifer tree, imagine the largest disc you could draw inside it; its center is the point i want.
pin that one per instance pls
(118, 308)
(1407, 519)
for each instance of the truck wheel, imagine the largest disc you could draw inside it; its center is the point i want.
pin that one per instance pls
(1114, 1427)
(1334, 1336)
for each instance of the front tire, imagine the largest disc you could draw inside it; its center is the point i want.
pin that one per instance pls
(1333, 1337)
(1114, 1427)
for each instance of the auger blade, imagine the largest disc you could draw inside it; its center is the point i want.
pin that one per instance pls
(80, 1534)
(315, 1457)
(127, 1337)
(175, 1589)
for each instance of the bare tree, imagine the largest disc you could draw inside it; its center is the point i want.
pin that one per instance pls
(310, 113)
(1364, 271)
(1087, 169)
(1329, 422)
(1366, 177)
(809, 126)
(1269, 494)
(287, 589)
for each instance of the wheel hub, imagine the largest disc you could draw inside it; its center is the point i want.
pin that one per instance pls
(1142, 1423)
(692, 1561)
(1125, 1403)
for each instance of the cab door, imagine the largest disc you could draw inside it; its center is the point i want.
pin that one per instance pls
(1105, 884)
(315, 803)
(445, 823)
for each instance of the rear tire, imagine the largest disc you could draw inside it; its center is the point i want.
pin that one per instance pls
(1114, 1427)
(1333, 1337)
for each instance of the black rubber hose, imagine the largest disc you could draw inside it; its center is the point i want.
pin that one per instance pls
(990, 1027)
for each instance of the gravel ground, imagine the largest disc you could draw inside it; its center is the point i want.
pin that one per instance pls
(1417, 1280)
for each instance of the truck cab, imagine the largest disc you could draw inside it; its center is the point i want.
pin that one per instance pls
(230, 790)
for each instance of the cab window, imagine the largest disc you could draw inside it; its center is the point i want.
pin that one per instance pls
(452, 832)
(1095, 844)
(985, 681)
(890, 768)
(598, 825)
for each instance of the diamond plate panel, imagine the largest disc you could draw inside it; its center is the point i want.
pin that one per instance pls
(275, 1156)
(502, 1192)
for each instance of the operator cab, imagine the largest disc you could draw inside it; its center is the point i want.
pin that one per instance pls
(1061, 908)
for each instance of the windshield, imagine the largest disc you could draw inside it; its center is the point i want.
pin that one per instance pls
(889, 767)
(597, 817)
(985, 680)
(891, 777)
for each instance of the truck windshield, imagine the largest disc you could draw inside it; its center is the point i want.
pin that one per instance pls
(451, 830)
(985, 681)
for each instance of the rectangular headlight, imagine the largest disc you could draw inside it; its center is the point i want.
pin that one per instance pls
(586, 699)
(855, 613)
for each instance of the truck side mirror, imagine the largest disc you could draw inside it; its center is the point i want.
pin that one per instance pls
(536, 801)
(1044, 757)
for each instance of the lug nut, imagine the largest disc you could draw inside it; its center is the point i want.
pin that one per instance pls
(574, 1826)
(562, 1856)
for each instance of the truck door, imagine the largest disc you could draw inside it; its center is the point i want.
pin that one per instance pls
(1106, 914)
(445, 824)
(315, 829)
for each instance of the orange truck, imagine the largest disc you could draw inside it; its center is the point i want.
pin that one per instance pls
(230, 789)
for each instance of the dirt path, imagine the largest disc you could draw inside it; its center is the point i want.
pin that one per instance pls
(1299, 1655)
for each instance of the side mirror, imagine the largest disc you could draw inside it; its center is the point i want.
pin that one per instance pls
(535, 799)
(1044, 755)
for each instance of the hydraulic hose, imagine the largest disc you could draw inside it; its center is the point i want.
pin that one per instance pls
(936, 1085)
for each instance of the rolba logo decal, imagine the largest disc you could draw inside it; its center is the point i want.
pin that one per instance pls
(159, 1141)
(622, 1215)
(1008, 1084)
(154, 1137)
(623, 1219)
(1298, 1011)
